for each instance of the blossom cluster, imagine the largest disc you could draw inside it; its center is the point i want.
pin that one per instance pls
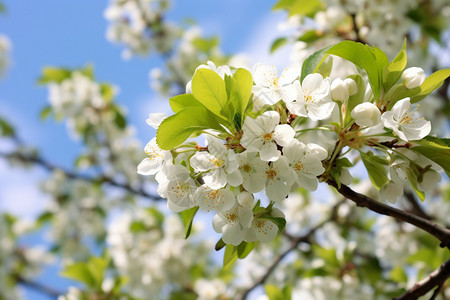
(139, 26)
(272, 153)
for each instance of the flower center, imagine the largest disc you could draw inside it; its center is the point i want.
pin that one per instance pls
(268, 137)
(298, 166)
(232, 217)
(217, 162)
(408, 116)
(271, 173)
(247, 168)
(308, 98)
(213, 195)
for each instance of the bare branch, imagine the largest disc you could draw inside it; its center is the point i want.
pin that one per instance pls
(437, 231)
(295, 241)
(101, 179)
(435, 279)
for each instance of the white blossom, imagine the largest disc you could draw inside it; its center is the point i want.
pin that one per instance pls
(404, 122)
(179, 188)
(220, 162)
(306, 161)
(214, 199)
(233, 224)
(263, 134)
(253, 170)
(313, 98)
(157, 159)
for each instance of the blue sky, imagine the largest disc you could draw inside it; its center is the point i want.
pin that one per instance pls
(72, 34)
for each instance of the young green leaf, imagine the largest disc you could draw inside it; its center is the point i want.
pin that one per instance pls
(273, 292)
(209, 89)
(229, 256)
(245, 248)
(183, 101)
(393, 72)
(52, 74)
(435, 149)
(313, 62)
(188, 217)
(377, 172)
(80, 272)
(219, 245)
(371, 60)
(175, 129)
(278, 43)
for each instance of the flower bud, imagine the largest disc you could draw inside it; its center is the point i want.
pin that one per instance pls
(413, 77)
(366, 114)
(345, 177)
(339, 90)
(351, 86)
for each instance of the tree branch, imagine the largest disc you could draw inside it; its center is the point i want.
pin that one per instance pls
(295, 241)
(436, 278)
(43, 289)
(437, 231)
(102, 179)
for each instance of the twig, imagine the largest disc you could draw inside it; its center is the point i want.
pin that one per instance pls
(102, 179)
(43, 289)
(436, 278)
(295, 241)
(437, 231)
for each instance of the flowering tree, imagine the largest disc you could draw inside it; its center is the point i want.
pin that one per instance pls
(329, 181)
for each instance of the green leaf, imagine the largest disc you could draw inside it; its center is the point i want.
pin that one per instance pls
(79, 272)
(175, 129)
(90, 273)
(107, 92)
(137, 226)
(119, 118)
(45, 112)
(283, 4)
(393, 72)
(311, 36)
(205, 44)
(278, 43)
(156, 214)
(273, 292)
(209, 89)
(245, 248)
(431, 83)
(5, 128)
(377, 172)
(97, 267)
(219, 245)
(244, 82)
(229, 256)
(313, 62)
(52, 74)
(398, 274)
(188, 217)
(305, 7)
(436, 150)
(371, 60)
(183, 101)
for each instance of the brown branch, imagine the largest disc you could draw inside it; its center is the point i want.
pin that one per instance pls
(101, 179)
(437, 231)
(295, 241)
(435, 279)
(39, 287)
